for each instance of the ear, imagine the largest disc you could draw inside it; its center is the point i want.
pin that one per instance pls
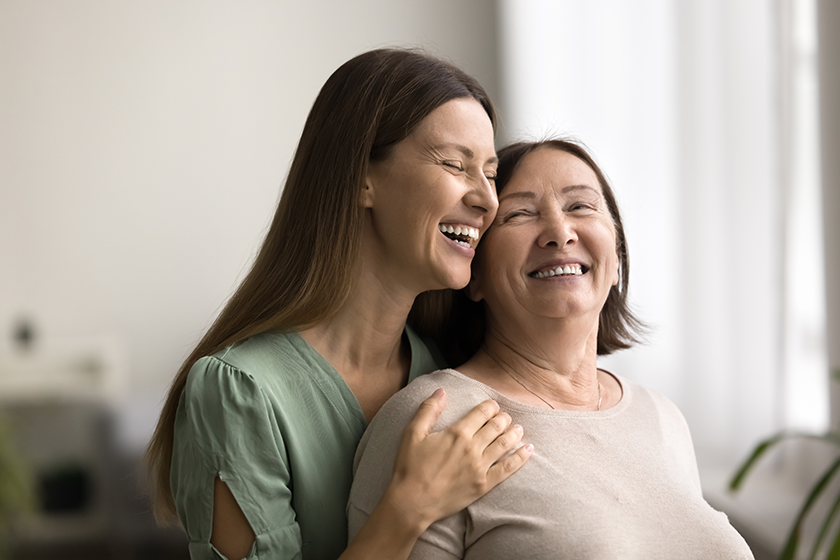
(373, 175)
(367, 193)
(617, 273)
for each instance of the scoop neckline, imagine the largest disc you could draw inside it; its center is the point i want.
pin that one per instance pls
(513, 404)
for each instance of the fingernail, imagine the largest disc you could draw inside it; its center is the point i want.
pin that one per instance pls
(438, 393)
(518, 428)
(529, 448)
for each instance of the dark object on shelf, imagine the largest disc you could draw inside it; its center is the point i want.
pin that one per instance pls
(65, 490)
(24, 334)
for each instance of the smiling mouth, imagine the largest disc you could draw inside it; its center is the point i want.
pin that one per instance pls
(462, 235)
(563, 270)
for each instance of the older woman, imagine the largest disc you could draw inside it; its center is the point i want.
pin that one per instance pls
(387, 195)
(613, 474)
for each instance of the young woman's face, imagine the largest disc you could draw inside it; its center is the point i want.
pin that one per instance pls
(430, 200)
(551, 251)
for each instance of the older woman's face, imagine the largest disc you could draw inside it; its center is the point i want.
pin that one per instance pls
(551, 250)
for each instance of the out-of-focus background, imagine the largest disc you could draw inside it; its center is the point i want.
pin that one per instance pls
(143, 146)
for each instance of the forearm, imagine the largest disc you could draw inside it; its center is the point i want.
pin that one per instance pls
(390, 532)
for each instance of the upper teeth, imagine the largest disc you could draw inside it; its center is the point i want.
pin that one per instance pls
(472, 233)
(573, 269)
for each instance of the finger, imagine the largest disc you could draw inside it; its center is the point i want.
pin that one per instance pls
(476, 418)
(506, 467)
(427, 414)
(493, 429)
(503, 444)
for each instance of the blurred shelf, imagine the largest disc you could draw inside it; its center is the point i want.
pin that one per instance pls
(89, 370)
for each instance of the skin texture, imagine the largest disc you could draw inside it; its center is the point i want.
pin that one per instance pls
(441, 173)
(551, 212)
(544, 330)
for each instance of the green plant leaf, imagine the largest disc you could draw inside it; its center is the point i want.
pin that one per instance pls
(832, 437)
(834, 553)
(792, 543)
(759, 450)
(16, 485)
(827, 523)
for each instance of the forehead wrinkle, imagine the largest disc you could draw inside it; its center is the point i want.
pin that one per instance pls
(454, 145)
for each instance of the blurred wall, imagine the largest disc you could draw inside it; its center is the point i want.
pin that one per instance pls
(678, 100)
(143, 146)
(829, 44)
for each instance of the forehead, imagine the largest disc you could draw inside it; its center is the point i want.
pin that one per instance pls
(549, 168)
(461, 118)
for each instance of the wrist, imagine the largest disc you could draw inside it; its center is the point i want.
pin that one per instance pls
(390, 531)
(404, 512)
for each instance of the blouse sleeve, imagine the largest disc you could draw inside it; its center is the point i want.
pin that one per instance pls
(226, 427)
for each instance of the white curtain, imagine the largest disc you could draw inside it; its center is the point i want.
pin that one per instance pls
(681, 103)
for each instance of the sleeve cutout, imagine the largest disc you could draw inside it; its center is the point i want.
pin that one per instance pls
(238, 534)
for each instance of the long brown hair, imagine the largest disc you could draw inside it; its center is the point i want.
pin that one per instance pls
(303, 271)
(462, 333)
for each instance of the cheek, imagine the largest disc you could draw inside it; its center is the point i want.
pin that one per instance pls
(608, 244)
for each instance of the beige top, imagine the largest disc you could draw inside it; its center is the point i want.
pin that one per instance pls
(616, 484)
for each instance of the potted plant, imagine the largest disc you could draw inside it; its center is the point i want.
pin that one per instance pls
(16, 495)
(829, 529)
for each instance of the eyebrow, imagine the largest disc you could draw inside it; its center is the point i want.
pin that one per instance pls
(525, 195)
(528, 195)
(464, 150)
(579, 187)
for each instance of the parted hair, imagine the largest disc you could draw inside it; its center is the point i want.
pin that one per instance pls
(462, 334)
(303, 271)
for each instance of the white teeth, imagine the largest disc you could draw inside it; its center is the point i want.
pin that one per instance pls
(567, 270)
(470, 232)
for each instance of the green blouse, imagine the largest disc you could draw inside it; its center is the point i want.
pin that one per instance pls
(278, 424)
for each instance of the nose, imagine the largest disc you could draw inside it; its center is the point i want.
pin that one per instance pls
(557, 230)
(482, 196)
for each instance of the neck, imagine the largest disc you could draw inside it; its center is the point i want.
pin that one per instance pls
(363, 342)
(365, 333)
(546, 363)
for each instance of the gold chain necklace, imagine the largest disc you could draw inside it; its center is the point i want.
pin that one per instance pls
(504, 369)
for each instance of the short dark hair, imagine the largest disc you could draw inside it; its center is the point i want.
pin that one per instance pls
(619, 328)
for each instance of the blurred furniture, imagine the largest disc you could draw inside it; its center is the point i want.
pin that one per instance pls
(60, 404)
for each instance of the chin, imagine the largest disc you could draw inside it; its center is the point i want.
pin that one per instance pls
(454, 280)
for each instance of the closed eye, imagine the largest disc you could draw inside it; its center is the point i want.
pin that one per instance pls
(514, 214)
(581, 206)
(454, 165)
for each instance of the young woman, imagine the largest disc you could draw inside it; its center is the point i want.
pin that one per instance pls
(387, 196)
